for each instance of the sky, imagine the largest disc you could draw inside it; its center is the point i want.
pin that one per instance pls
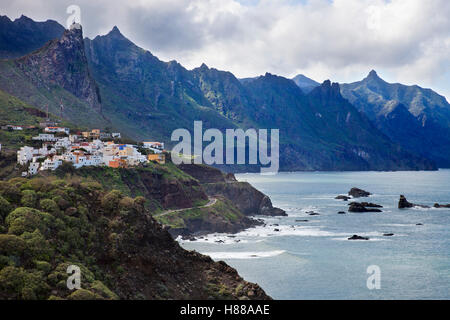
(405, 41)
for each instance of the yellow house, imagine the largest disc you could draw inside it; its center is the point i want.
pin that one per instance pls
(158, 157)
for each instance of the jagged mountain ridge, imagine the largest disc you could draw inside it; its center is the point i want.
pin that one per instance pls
(57, 75)
(63, 62)
(23, 35)
(416, 118)
(144, 97)
(305, 83)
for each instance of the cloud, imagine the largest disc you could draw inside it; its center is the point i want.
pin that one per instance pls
(405, 40)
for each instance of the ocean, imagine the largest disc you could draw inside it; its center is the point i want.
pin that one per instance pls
(314, 260)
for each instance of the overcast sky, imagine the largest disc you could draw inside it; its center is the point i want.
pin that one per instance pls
(406, 41)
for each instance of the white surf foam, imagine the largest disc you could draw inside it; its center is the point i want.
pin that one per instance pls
(244, 255)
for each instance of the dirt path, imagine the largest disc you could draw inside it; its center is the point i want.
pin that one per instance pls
(212, 201)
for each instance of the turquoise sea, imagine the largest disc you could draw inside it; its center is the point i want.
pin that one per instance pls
(314, 259)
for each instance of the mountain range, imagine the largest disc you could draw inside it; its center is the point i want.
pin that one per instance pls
(416, 118)
(109, 81)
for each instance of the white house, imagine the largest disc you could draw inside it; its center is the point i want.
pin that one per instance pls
(57, 130)
(51, 164)
(33, 168)
(156, 147)
(115, 135)
(24, 155)
(45, 137)
(62, 143)
(73, 138)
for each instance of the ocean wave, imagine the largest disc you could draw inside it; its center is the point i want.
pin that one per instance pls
(244, 255)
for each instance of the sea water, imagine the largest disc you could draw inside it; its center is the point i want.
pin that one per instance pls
(314, 260)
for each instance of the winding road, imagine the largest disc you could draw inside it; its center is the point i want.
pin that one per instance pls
(212, 201)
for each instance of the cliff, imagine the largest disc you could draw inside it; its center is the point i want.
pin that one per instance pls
(243, 195)
(63, 62)
(48, 223)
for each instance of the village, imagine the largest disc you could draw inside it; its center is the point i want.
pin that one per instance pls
(88, 148)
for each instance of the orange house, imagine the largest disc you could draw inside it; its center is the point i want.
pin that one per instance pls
(158, 157)
(118, 163)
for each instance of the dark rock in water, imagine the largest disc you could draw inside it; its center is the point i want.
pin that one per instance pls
(314, 214)
(403, 203)
(419, 224)
(356, 237)
(371, 205)
(219, 241)
(275, 225)
(358, 193)
(188, 238)
(437, 205)
(341, 212)
(276, 230)
(341, 197)
(359, 207)
(388, 234)
(301, 220)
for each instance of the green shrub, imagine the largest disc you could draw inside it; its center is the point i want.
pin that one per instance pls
(25, 219)
(43, 266)
(50, 206)
(18, 283)
(102, 290)
(62, 203)
(111, 200)
(5, 208)
(83, 294)
(126, 204)
(11, 245)
(38, 247)
(29, 198)
(10, 192)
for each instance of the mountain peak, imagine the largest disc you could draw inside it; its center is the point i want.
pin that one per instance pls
(115, 32)
(373, 75)
(305, 83)
(327, 89)
(63, 62)
(23, 18)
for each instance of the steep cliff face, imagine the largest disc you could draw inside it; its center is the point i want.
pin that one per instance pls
(63, 62)
(244, 196)
(164, 187)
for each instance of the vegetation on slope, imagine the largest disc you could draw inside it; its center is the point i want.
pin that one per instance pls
(47, 224)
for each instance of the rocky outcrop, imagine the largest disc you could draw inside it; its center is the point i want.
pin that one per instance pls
(62, 62)
(403, 203)
(356, 237)
(342, 197)
(222, 217)
(244, 196)
(358, 193)
(363, 207)
(437, 205)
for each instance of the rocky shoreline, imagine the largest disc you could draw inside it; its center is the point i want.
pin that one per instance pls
(225, 184)
(237, 204)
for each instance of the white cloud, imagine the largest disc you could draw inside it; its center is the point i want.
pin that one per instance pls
(405, 40)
